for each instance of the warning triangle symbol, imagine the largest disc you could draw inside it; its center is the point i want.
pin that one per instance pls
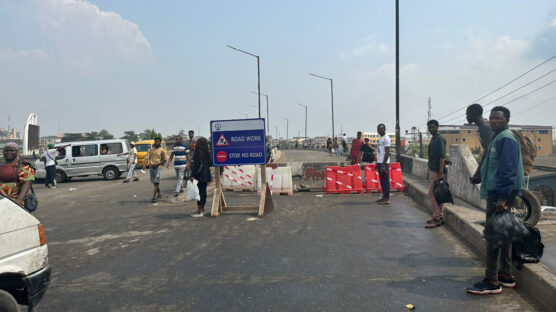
(222, 141)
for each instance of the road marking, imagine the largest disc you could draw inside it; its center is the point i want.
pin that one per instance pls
(98, 239)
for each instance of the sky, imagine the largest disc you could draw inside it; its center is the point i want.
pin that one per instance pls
(130, 65)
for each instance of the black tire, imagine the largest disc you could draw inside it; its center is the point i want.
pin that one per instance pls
(60, 176)
(110, 173)
(527, 208)
(7, 302)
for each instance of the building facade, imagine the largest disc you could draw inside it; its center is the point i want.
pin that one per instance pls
(467, 135)
(373, 137)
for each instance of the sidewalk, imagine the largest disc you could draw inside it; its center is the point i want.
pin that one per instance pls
(537, 280)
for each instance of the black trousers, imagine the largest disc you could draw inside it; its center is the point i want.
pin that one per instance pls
(50, 175)
(497, 259)
(202, 193)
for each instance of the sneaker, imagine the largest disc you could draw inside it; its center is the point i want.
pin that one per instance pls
(432, 220)
(153, 200)
(198, 214)
(177, 194)
(126, 181)
(506, 281)
(136, 179)
(53, 186)
(384, 202)
(380, 200)
(434, 223)
(484, 287)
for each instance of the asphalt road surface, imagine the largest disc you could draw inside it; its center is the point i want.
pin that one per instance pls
(308, 156)
(112, 250)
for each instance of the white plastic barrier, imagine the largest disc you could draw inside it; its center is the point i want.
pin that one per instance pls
(279, 180)
(239, 178)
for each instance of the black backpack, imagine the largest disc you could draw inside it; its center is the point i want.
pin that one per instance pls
(529, 249)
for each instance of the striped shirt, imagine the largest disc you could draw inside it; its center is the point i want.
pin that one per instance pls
(180, 155)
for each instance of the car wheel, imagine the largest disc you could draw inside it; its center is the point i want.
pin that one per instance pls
(60, 176)
(7, 302)
(110, 173)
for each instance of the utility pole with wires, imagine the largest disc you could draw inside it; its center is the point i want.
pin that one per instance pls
(429, 114)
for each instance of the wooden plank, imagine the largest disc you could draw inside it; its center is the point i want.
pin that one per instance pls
(217, 197)
(266, 205)
(240, 208)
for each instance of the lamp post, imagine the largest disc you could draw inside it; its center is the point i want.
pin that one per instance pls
(287, 126)
(331, 97)
(305, 118)
(398, 139)
(267, 113)
(258, 73)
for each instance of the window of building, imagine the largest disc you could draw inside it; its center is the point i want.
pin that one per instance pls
(468, 131)
(538, 147)
(539, 139)
(532, 131)
(84, 150)
(543, 131)
(463, 139)
(456, 139)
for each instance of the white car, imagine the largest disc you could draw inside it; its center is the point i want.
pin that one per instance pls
(548, 209)
(24, 269)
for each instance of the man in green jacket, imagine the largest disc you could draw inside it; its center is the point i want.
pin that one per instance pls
(502, 181)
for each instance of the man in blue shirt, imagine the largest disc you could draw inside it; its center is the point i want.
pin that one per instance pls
(179, 155)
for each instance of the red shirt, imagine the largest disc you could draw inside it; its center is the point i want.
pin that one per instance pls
(355, 151)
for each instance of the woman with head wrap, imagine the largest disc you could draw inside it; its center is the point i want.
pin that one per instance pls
(16, 176)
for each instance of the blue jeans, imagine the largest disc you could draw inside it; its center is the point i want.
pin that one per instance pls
(384, 179)
(155, 175)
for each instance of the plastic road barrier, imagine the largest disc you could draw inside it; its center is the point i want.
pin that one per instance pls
(396, 178)
(343, 180)
(279, 180)
(239, 178)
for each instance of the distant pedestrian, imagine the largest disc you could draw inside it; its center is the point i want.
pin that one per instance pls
(367, 152)
(268, 150)
(50, 162)
(179, 155)
(355, 154)
(16, 176)
(502, 180)
(329, 146)
(336, 147)
(202, 161)
(345, 143)
(437, 159)
(131, 163)
(474, 115)
(383, 164)
(156, 158)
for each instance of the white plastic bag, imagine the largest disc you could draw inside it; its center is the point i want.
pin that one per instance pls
(193, 191)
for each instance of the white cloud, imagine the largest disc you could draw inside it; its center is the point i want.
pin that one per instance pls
(367, 45)
(553, 23)
(27, 55)
(83, 31)
(492, 53)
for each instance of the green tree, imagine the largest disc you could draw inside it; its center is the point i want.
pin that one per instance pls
(72, 137)
(130, 135)
(173, 137)
(150, 134)
(105, 135)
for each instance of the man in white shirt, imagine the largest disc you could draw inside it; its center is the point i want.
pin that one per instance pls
(383, 164)
(49, 159)
(131, 163)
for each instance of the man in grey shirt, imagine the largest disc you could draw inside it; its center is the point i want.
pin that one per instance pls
(474, 115)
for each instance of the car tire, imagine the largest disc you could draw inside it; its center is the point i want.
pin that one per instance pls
(534, 206)
(60, 176)
(110, 173)
(7, 302)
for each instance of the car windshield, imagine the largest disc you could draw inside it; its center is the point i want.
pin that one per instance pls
(142, 147)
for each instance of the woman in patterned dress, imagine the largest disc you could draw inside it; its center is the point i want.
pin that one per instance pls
(16, 176)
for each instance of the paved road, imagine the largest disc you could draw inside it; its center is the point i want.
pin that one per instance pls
(308, 156)
(112, 250)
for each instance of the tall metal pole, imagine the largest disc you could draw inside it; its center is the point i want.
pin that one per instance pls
(332, 100)
(305, 118)
(267, 112)
(331, 97)
(287, 126)
(258, 73)
(259, 84)
(398, 139)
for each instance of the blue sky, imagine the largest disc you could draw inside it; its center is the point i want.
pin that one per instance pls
(131, 65)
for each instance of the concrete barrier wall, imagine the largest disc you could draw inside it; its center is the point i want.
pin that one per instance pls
(463, 166)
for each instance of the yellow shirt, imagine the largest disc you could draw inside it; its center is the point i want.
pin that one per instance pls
(156, 156)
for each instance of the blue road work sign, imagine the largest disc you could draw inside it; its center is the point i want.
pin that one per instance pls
(238, 142)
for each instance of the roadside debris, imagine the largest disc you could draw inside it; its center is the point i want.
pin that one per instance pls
(410, 306)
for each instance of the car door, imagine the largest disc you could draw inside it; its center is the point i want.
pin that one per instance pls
(85, 159)
(113, 155)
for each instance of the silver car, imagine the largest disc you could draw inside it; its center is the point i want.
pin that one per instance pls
(81, 159)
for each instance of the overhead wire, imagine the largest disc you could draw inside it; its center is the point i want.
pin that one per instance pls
(497, 89)
(536, 105)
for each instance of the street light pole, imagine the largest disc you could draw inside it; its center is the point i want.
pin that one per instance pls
(267, 112)
(331, 98)
(287, 126)
(398, 139)
(258, 73)
(305, 118)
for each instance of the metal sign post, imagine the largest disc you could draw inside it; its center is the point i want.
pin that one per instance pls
(239, 142)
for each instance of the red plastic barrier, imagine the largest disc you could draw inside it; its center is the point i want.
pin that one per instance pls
(372, 182)
(396, 178)
(343, 180)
